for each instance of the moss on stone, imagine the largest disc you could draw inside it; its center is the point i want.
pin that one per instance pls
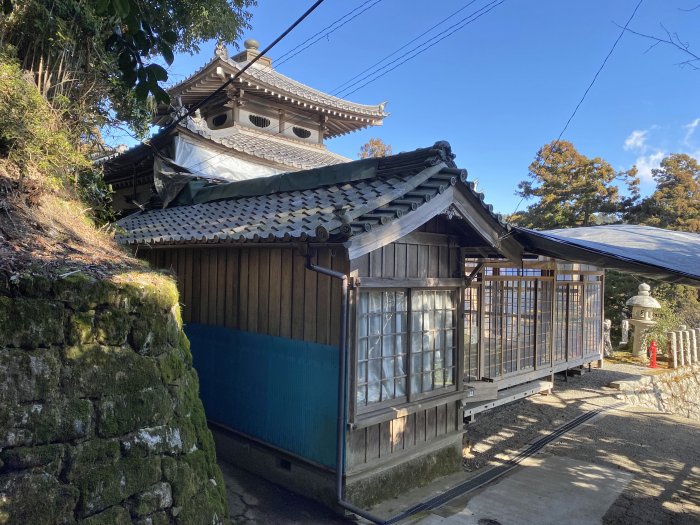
(133, 410)
(157, 518)
(111, 516)
(30, 497)
(82, 292)
(38, 424)
(112, 327)
(28, 376)
(172, 365)
(30, 323)
(156, 497)
(80, 328)
(108, 485)
(90, 454)
(151, 441)
(95, 370)
(405, 476)
(50, 457)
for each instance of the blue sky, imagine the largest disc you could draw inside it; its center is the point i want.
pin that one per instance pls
(505, 84)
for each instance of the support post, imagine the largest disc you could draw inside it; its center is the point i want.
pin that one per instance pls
(674, 349)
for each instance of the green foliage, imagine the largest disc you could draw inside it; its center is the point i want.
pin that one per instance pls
(572, 190)
(96, 193)
(676, 202)
(374, 148)
(31, 133)
(100, 55)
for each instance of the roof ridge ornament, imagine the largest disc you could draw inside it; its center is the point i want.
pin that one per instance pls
(220, 50)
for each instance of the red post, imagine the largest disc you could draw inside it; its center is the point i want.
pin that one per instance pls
(652, 350)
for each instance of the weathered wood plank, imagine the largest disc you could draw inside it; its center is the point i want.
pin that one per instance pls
(409, 440)
(232, 287)
(441, 420)
(361, 265)
(412, 263)
(401, 260)
(196, 286)
(309, 304)
(384, 439)
(452, 423)
(273, 308)
(263, 290)
(444, 262)
(337, 264)
(286, 290)
(357, 447)
(430, 423)
(212, 273)
(187, 278)
(398, 427)
(221, 286)
(244, 285)
(434, 261)
(423, 270)
(375, 263)
(253, 286)
(298, 297)
(323, 299)
(420, 427)
(388, 261)
(372, 442)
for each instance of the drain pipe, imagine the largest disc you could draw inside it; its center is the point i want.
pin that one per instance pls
(342, 367)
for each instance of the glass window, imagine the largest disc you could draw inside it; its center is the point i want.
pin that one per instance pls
(387, 337)
(381, 351)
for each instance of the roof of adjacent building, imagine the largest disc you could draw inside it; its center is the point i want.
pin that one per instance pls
(654, 252)
(331, 203)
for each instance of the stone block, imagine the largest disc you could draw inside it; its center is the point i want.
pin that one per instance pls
(111, 516)
(81, 328)
(108, 485)
(49, 457)
(90, 454)
(30, 323)
(112, 327)
(96, 371)
(29, 497)
(154, 440)
(157, 518)
(156, 497)
(28, 376)
(37, 424)
(133, 410)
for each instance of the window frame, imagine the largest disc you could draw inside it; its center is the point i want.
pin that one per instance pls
(410, 396)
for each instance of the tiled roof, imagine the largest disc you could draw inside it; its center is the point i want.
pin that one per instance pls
(267, 77)
(282, 150)
(400, 185)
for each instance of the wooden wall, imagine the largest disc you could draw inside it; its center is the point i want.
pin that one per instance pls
(267, 290)
(426, 253)
(403, 434)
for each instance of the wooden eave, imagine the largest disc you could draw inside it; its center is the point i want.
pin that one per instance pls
(340, 121)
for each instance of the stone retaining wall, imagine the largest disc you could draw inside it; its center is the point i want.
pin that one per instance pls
(100, 417)
(674, 391)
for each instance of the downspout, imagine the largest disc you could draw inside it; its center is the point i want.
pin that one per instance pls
(342, 368)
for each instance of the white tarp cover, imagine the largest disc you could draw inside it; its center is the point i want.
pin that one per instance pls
(213, 164)
(662, 254)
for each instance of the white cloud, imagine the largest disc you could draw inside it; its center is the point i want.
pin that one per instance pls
(646, 163)
(691, 130)
(637, 140)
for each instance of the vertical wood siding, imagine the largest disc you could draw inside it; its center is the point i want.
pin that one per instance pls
(264, 290)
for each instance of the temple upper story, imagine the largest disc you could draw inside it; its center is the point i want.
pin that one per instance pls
(264, 123)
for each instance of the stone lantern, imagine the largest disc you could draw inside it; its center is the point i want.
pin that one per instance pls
(643, 306)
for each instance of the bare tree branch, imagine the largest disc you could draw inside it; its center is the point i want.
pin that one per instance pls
(672, 39)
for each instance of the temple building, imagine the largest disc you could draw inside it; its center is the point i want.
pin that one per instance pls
(263, 124)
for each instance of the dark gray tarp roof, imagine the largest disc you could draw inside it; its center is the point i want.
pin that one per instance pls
(654, 252)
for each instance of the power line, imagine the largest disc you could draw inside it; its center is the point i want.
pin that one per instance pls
(404, 46)
(595, 77)
(455, 27)
(422, 48)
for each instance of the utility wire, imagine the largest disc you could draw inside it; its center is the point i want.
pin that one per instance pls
(221, 88)
(338, 89)
(595, 77)
(422, 48)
